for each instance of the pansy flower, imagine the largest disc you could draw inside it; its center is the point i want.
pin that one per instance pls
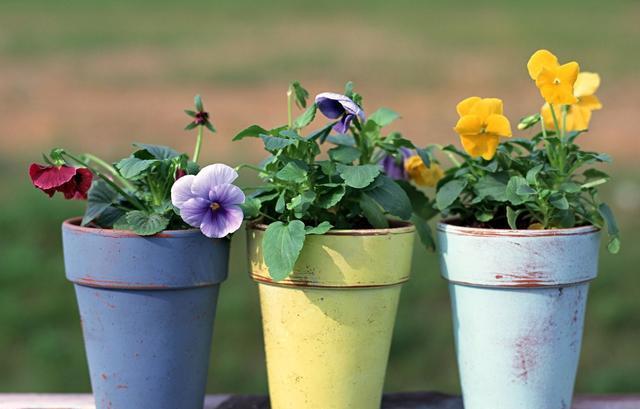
(554, 81)
(393, 165)
(421, 174)
(481, 125)
(335, 106)
(578, 114)
(73, 183)
(209, 201)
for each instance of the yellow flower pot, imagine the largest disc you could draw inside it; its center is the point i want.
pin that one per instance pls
(328, 326)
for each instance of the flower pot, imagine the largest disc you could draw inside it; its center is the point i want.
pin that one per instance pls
(147, 306)
(518, 299)
(328, 326)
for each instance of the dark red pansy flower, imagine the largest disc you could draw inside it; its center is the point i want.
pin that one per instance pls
(73, 183)
(180, 173)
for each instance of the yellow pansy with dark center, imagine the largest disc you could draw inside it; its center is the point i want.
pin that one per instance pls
(481, 125)
(421, 174)
(554, 81)
(578, 114)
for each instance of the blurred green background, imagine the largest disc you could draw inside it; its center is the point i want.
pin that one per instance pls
(98, 75)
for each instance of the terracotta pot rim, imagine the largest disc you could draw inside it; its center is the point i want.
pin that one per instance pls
(446, 226)
(400, 227)
(74, 224)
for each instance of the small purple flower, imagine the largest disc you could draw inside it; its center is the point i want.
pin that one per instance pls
(335, 106)
(209, 201)
(394, 167)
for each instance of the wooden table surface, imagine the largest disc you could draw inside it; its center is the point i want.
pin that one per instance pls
(419, 400)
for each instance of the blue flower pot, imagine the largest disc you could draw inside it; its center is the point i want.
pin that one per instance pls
(147, 306)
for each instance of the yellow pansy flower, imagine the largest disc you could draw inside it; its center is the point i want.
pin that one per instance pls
(480, 125)
(420, 173)
(578, 114)
(554, 81)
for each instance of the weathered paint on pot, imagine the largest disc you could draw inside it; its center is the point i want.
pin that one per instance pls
(147, 306)
(518, 299)
(328, 327)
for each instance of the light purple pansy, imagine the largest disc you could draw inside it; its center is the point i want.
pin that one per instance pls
(394, 168)
(335, 106)
(209, 201)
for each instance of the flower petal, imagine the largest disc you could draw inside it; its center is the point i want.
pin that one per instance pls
(486, 107)
(578, 118)
(194, 210)
(587, 83)
(498, 125)
(333, 105)
(590, 102)
(181, 190)
(220, 223)
(343, 124)
(473, 144)
(568, 73)
(210, 176)
(226, 195)
(491, 145)
(464, 107)
(539, 60)
(50, 177)
(469, 125)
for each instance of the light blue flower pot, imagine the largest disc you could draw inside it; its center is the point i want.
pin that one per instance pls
(147, 306)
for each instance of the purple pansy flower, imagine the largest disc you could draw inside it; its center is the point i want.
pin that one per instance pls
(394, 168)
(335, 106)
(209, 201)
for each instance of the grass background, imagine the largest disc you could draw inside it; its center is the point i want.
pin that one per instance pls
(96, 76)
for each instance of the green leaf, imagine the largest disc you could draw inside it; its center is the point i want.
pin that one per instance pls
(109, 216)
(253, 131)
(532, 174)
(424, 231)
(595, 174)
(280, 203)
(122, 223)
(300, 94)
(306, 118)
(425, 155)
(559, 201)
(449, 192)
(100, 197)
(344, 154)
(391, 197)
(146, 224)
(251, 207)
(281, 247)
(158, 151)
(300, 203)
(331, 198)
(131, 167)
(493, 186)
(198, 103)
(512, 217)
(274, 143)
(373, 213)
(483, 216)
(383, 117)
(612, 228)
(518, 190)
(322, 228)
(358, 176)
(322, 133)
(343, 139)
(292, 173)
(570, 187)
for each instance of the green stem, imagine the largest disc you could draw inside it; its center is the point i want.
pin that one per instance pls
(196, 151)
(289, 107)
(246, 165)
(111, 169)
(134, 201)
(450, 155)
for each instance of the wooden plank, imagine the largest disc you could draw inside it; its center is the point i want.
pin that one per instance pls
(419, 400)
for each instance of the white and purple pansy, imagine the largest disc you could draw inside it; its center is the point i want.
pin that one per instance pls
(209, 201)
(335, 106)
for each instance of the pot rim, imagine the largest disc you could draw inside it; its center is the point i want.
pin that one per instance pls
(400, 228)
(446, 226)
(74, 224)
